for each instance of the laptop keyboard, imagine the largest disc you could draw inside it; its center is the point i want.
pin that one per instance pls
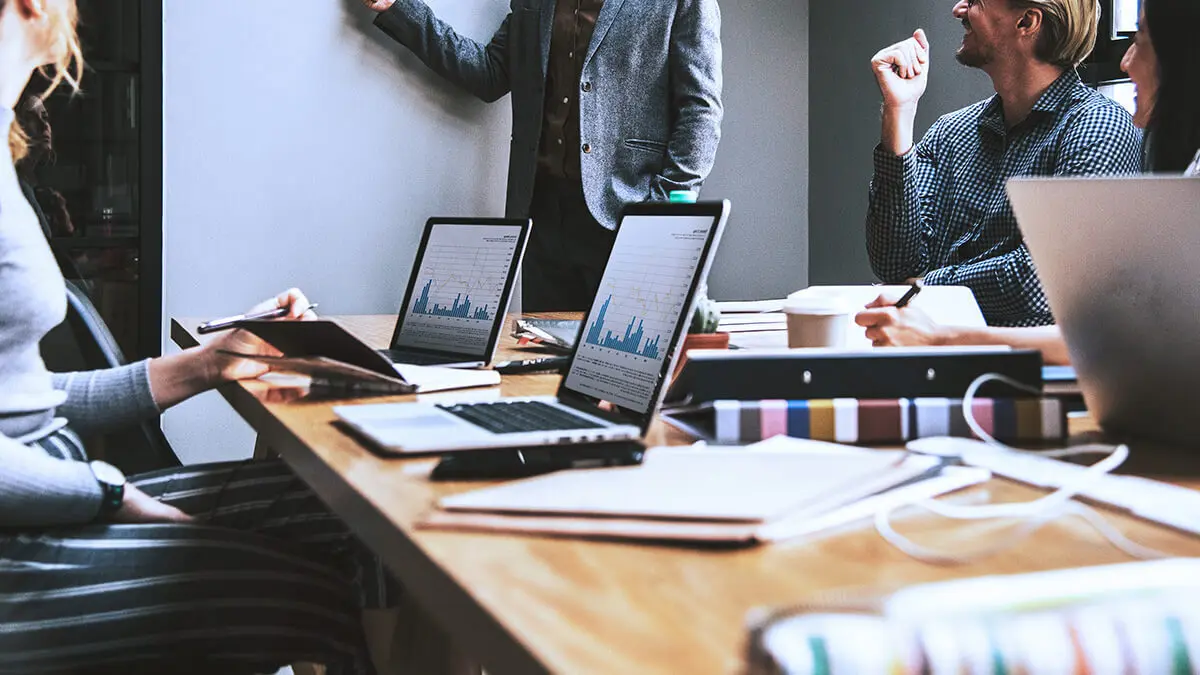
(519, 416)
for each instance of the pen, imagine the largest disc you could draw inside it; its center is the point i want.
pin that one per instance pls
(909, 295)
(531, 365)
(232, 321)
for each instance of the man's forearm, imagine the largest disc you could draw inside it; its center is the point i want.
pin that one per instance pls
(898, 124)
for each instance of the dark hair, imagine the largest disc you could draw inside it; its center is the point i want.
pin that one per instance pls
(1173, 132)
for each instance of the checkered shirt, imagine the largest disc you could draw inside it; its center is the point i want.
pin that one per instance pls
(941, 211)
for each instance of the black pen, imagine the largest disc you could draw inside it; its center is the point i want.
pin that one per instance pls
(232, 321)
(909, 295)
(532, 365)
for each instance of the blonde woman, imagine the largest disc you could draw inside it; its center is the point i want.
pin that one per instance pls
(232, 568)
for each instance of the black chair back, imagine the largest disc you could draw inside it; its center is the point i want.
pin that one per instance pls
(144, 448)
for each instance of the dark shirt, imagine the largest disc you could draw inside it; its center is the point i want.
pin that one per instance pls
(560, 146)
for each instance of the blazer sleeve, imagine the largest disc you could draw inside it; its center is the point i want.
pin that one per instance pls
(695, 66)
(482, 70)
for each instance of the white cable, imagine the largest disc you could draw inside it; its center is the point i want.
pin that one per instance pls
(1033, 514)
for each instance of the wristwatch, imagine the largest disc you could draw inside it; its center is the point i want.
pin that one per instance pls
(112, 483)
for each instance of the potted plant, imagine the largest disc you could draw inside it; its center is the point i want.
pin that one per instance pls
(702, 333)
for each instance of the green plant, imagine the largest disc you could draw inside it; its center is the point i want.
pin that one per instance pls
(707, 316)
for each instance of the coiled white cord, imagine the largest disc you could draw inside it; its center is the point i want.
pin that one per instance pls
(1032, 515)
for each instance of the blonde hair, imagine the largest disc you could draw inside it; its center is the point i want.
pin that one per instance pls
(1069, 29)
(68, 68)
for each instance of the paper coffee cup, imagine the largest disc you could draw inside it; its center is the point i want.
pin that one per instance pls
(817, 321)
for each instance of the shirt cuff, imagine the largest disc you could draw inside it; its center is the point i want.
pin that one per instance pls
(143, 395)
(944, 276)
(890, 167)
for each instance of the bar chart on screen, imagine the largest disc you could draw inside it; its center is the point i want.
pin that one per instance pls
(639, 307)
(460, 286)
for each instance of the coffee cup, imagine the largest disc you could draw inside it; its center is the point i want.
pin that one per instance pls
(817, 321)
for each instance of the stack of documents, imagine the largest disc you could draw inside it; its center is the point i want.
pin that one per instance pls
(768, 492)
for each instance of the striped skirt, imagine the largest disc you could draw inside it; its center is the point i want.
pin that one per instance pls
(267, 576)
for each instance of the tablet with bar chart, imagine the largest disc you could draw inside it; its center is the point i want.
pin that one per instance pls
(459, 289)
(646, 288)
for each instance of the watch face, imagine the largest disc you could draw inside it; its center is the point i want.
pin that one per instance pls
(107, 473)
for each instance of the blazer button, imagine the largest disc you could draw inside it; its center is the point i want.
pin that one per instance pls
(587, 86)
(587, 148)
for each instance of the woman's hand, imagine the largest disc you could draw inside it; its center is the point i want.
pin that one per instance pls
(890, 327)
(222, 368)
(139, 507)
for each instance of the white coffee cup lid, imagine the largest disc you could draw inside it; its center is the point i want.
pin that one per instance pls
(821, 305)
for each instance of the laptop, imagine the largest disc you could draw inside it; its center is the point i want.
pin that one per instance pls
(1118, 260)
(459, 291)
(628, 345)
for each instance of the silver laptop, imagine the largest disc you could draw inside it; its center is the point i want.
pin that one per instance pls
(1120, 262)
(458, 293)
(628, 345)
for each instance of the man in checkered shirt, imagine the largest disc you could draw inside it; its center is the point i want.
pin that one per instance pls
(939, 210)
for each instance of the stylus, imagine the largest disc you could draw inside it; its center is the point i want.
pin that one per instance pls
(232, 321)
(532, 365)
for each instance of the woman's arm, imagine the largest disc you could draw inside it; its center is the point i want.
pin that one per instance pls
(37, 490)
(103, 400)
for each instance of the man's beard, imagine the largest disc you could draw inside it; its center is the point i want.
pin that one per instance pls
(975, 57)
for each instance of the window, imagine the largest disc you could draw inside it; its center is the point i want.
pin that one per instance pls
(1118, 23)
(1125, 17)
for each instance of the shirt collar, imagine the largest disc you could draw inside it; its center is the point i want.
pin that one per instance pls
(1053, 100)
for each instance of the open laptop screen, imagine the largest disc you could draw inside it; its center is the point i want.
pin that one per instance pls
(643, 306)
(460, 286)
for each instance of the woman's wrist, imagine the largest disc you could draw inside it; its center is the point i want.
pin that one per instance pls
(178, 377)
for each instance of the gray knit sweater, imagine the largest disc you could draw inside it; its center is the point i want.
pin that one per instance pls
(35, 489)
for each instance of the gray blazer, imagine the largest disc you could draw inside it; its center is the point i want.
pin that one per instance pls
(650, 108)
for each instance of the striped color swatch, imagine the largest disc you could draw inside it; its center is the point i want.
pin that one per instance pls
(848, 420)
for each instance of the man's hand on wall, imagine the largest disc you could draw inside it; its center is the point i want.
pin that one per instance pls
(378, 5)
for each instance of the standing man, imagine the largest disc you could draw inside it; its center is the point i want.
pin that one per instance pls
(939, 210)
(614, 101)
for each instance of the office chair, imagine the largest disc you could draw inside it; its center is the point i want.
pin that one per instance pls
(144, 447)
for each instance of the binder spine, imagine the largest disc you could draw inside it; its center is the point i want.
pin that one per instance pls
(875, 421)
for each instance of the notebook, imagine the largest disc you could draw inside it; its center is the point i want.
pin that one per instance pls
(732, 496)
(338, 362)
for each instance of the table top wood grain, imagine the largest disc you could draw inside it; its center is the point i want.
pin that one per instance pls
(527, 604)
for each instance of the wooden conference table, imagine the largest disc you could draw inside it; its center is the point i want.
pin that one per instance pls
(521, 604)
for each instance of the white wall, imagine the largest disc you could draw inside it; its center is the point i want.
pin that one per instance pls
(304, 147)
(762, 164)
(299, 153)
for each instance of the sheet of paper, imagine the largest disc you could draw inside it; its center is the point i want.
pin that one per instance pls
(750, 306)
(705, 485)
(777, 339)
(435, 378)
